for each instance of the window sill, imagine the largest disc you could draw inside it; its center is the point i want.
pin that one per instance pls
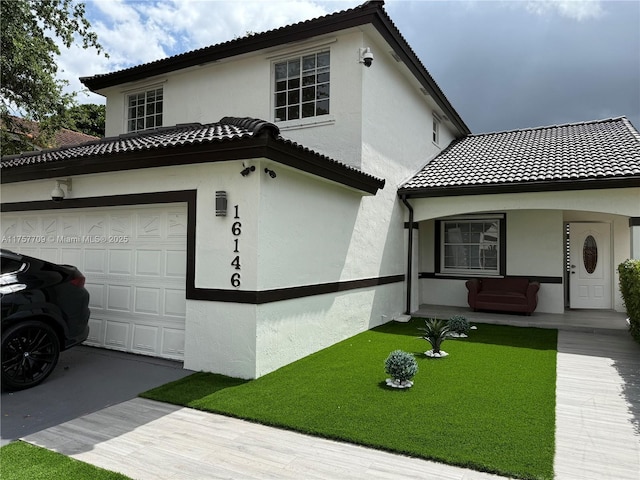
(306, 123)
(469, 274)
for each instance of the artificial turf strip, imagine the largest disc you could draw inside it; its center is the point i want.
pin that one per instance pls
(23, 461)
(489, 405)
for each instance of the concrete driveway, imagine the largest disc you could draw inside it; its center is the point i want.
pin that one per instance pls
(85, 380)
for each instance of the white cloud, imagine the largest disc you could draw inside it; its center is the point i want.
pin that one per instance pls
(134, 32)
(574, 9)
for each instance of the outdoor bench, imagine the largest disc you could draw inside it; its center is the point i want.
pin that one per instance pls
(509, 294)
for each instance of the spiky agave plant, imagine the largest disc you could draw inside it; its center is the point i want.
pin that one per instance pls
(435, 331)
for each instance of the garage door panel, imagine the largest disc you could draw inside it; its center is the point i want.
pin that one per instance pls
(96, 296)
(120, 225)
(172, 343)
(30, 226)
(177, 225)
(9, 226)
(176, 264)
(145, 339)
(136, 286)
(148, 300)
(119, 298)
(120, 262)
(95, 261)
(148, 226)
(117, 334)
(174, 304)
(96, 332)
(149, 262)
(95, 225)
(73, 256)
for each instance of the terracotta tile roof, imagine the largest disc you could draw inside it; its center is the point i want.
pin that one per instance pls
(62, 138)
(167, 141)
(560, 154)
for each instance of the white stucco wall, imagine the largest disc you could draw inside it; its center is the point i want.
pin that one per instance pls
(292, 329)
(209, 92)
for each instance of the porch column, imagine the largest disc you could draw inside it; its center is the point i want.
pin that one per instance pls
(634, 226)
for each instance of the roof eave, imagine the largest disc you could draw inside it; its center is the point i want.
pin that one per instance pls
(273, 38)
(548, 186)
(258, 147)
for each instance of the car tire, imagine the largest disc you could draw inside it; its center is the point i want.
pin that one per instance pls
(30, 352)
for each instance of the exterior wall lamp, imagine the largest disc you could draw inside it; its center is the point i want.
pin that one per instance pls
(221, 203)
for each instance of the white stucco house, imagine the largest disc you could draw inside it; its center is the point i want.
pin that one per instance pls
(258, 200)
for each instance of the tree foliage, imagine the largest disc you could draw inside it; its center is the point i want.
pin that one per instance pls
(86, 118)
(28, 84)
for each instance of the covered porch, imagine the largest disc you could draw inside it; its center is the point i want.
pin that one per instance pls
(600, 321)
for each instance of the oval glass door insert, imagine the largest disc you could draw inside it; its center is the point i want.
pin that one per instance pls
(590, 254)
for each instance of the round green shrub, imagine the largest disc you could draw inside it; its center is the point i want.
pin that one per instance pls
(401, 365)
(459, 324)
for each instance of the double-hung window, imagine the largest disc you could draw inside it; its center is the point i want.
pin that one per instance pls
(471, 246)
(144, 110)
(301, 87)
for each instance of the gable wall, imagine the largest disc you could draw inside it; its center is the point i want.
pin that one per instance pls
(242, 87)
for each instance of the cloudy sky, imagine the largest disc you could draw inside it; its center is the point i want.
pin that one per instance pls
(502, 64)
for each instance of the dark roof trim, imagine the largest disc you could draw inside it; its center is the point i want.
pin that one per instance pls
(371, 12)
(554, 186)
(278, 150)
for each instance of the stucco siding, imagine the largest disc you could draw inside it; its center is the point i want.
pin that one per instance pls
(292, 329)
(220, 337)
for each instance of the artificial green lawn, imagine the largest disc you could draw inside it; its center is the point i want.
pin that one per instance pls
(23, 461)
(489, 405)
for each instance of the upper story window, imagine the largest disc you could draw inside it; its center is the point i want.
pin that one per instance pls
(144, 110)
(302, 87)
(471, 246)
(436, 130)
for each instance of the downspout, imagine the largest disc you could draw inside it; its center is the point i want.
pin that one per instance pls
(410, 253)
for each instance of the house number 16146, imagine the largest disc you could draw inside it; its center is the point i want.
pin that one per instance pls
(236, 231)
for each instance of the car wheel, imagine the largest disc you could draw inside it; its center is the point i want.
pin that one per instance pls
(30, 352)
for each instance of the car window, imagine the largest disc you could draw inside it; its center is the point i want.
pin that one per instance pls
(10, 266)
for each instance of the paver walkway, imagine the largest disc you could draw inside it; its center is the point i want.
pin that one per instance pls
(597, 433)
(145, 439)
(597, 407)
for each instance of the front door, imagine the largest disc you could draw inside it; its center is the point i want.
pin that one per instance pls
(590, 260)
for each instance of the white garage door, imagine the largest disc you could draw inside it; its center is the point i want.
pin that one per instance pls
(134, 259)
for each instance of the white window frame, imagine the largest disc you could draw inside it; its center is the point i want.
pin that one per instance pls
(436, 130)
(150, 117)
(489, 240)
(290, 96)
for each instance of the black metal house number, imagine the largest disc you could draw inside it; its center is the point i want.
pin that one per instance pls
(236, 230)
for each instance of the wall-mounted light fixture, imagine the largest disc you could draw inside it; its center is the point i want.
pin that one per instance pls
(366, 56)
(57, 194)
(221, 203)
(269, 172)
(248, 170)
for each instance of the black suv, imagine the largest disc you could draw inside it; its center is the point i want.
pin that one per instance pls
(45, 309)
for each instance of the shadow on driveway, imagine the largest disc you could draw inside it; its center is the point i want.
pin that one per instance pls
(85, 380)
